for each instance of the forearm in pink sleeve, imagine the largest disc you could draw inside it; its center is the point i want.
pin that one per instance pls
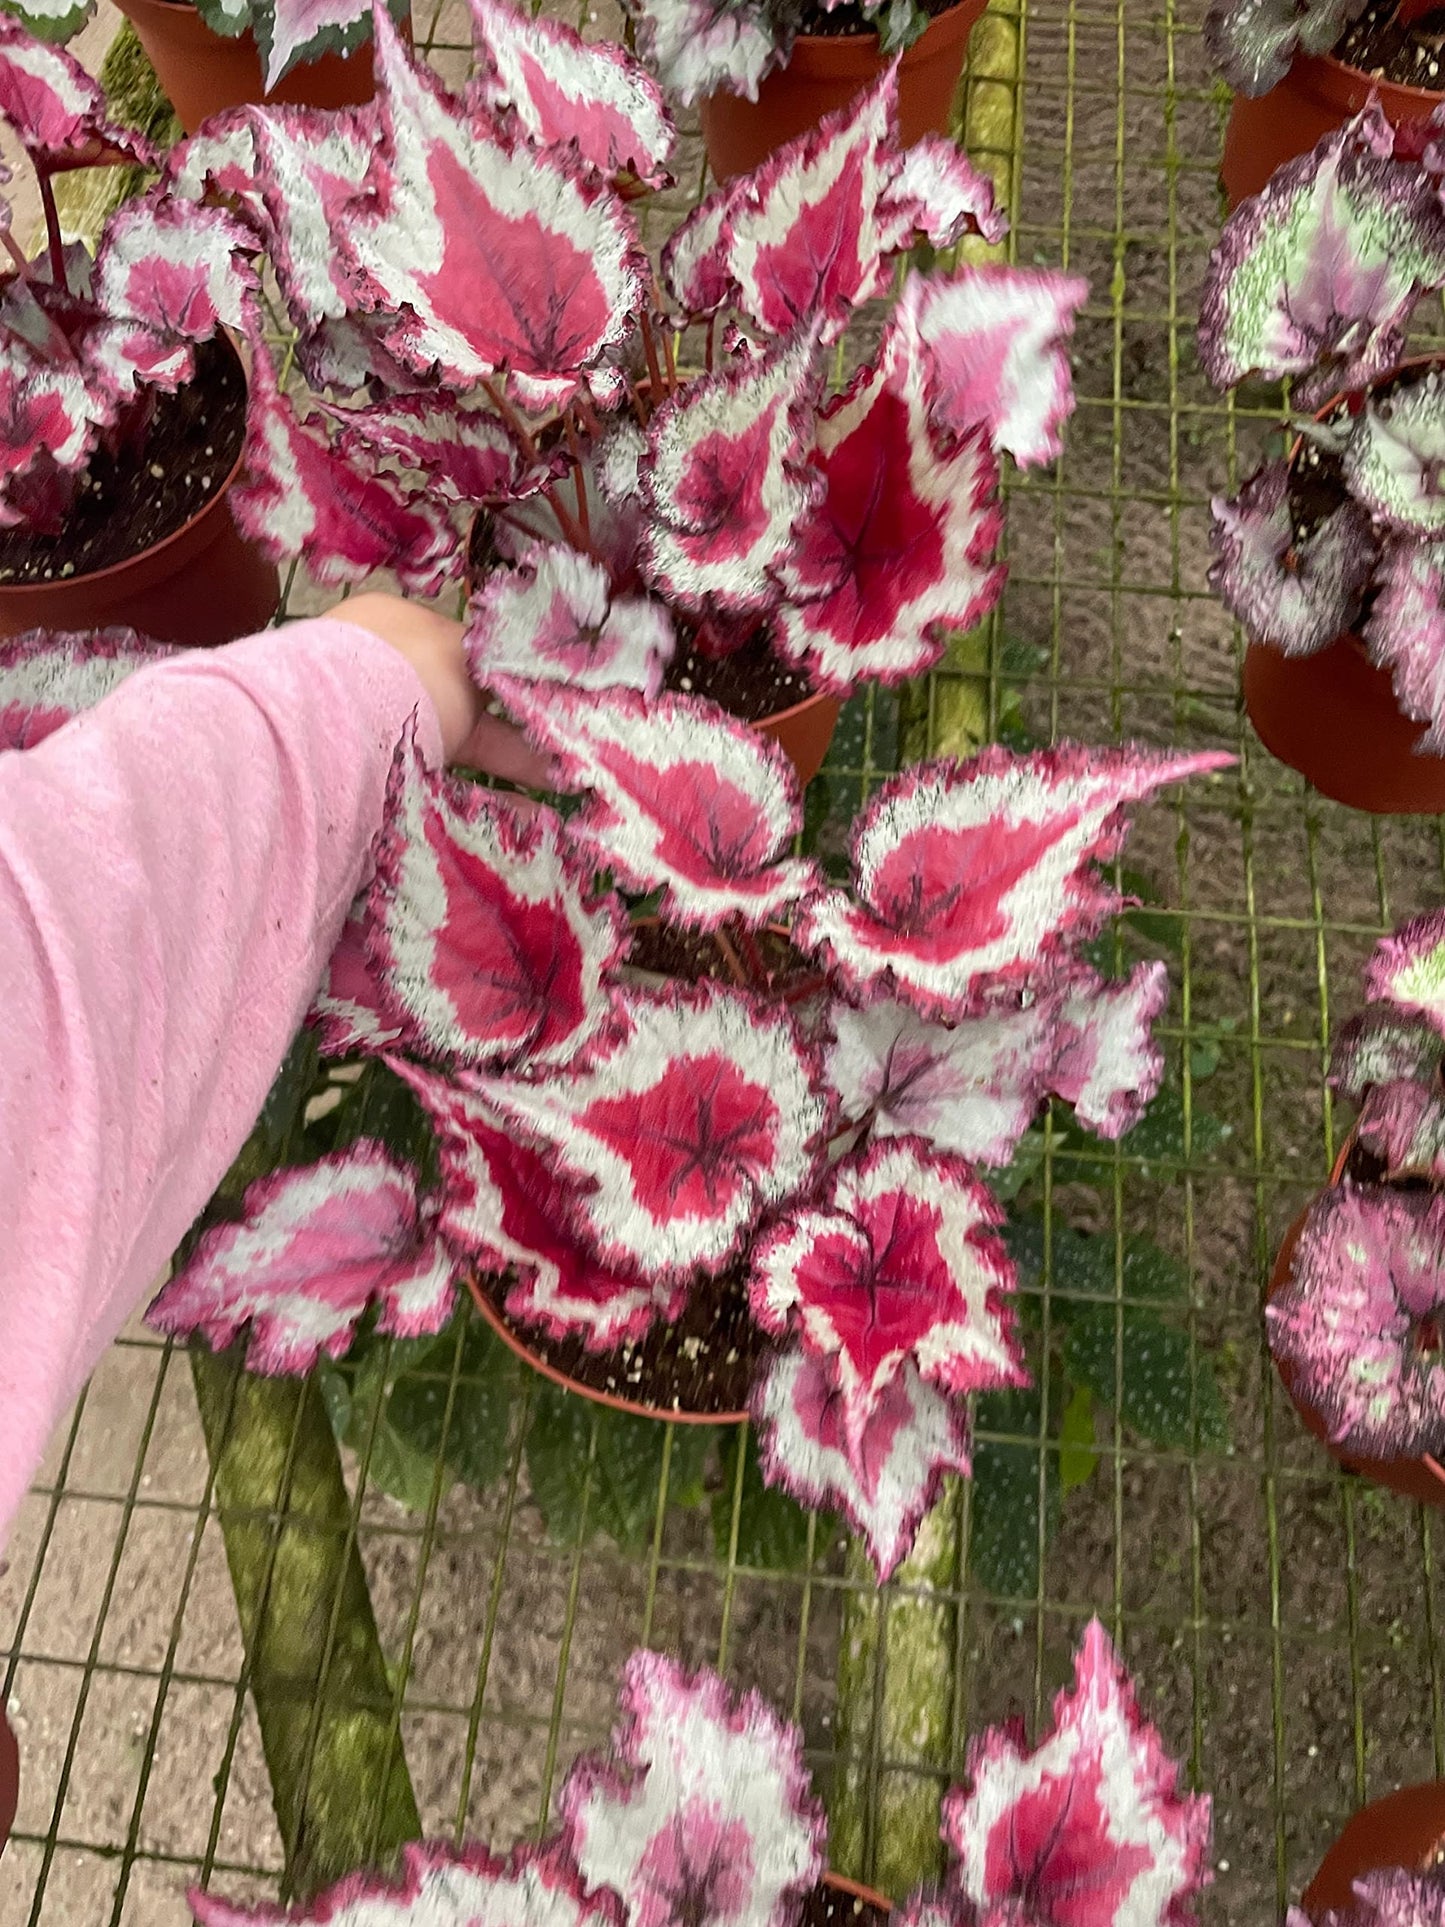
(175, 866)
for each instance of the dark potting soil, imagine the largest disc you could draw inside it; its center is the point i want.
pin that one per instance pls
(1378, 45)
(130, 501)
(848, 19)
(751, 683)
(690, 955)
(703, 1362)
(826, 1907)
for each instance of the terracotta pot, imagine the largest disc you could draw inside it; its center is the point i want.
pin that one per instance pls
(1317, 95)
(1405, 1829)
(804, 732)
(203, 72)
(1421, 1478)
(868, 1895)
(203, 584)
(9, 1779)
(516, 1341)
(823, 73)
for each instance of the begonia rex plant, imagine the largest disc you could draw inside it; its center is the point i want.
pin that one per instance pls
(1253, 43)
(87, 346)
(486, 347)
(1356, 1324)
(701, 1814)
(1316, 280)
(1384, 1897)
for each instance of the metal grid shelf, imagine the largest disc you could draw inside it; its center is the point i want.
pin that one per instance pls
(1282, 1620)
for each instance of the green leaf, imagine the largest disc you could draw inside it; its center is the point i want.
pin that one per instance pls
(1165, 1397)
(1151, 919)
(1004, 1520)
(625, 1474)
(1205, 1045)
(476, 1436)
(286, 1100)
(1158, 1137)
(380, 1106)
(772, 1528)
(1084, 1265)
(1077, 1456)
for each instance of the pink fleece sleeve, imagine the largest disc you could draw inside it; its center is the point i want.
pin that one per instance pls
(175, 866)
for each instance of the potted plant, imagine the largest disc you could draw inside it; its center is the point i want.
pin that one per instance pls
(1330, 554)
(766, 71)
(1384, 1868)
(213, 54)
(1301, 68)
(722, 512)
(702, 1812)
(124, 400)
(1359, 1283)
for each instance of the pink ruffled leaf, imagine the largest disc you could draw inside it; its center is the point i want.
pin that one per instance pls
(1384, 1897)
(465, 452)
(482, 925)
(299, 498)
(1106, 1062)
(492, 256)
(1404, 1125)
(696, 269)
(563, 90)
(48, 422)
(938, 192)
(314, 1246)
(726, 479)
(899, 551)
(1382, 1045)
(978, 874)
(219, 159)
(891, 1478)
(1405, 631)
(1408, 968)
(1089, 1829)
(313, 169)
(49, 675)
(117, 357)
(1367, 1282)
(1296, 591)
(505, 1207)
(681, 796)
(439, 1886)
(698, 47)
(59, 114)
(703, 1810)
(897, 1263)
(180, 269)
(1317, 276)
(707, 1113)
(1252, 43)
(996, 343)
(350, 1012)
(556, 619)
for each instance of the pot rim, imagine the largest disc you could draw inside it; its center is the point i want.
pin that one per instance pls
(1338, 69)
(954, 21)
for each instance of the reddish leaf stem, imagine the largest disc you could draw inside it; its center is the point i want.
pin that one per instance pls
(731, 958)
(574, 442)
(711, 349)
(52, 229)
(579, 537)
(513, 420)
(586, 413)
(654, 370)
(761, 975)
(809, 987)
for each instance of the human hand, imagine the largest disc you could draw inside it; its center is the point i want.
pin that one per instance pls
(433, 646)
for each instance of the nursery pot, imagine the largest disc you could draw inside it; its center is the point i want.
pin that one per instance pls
(202, 584)
(1317, 95)
(804, 732)
(823, 73)
(1421, 1478)
(9, 1779)
(1405, 1829)
(204, 72)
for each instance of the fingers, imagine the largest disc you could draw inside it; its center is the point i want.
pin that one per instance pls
(498, 749)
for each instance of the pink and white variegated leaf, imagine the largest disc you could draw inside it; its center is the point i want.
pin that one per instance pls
(1353, 1325)
(182, 270)
(892, 1477)
(1090, 1826)
(680, 796)
(980, 874)
(314, 1246)
(120, 356)
(695, 269)
(1383, 1044)
(482, 925)
(1106, 1062)
(465, 452)
(49, 416)
(313, 168)
(291, 31)
(1317, 275)
(897, 1262)
(1384, 1897)
(995, 340)
(702, 1812)
(936, 191)
(706, 1113)
(1404, 1125)
(698, 47)
(49, 675)
(900, 549)
(58, 113)
(298, 497)
(726, 477)
(1408, 968)
(563, 90)
(970, 1089)
(350, 1013)
(221, 160)
(506, 1208)
(492, 256)
(439, 1886)
(555, 619)
(1394, 460)
(1405, 631)
(1297, 592)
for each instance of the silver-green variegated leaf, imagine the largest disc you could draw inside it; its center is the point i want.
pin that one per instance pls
(1316, 277)
(225, 17)
(1395, 458)
(1406, 632)
(52, 19)
(1296, 591)
(1252, 43)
